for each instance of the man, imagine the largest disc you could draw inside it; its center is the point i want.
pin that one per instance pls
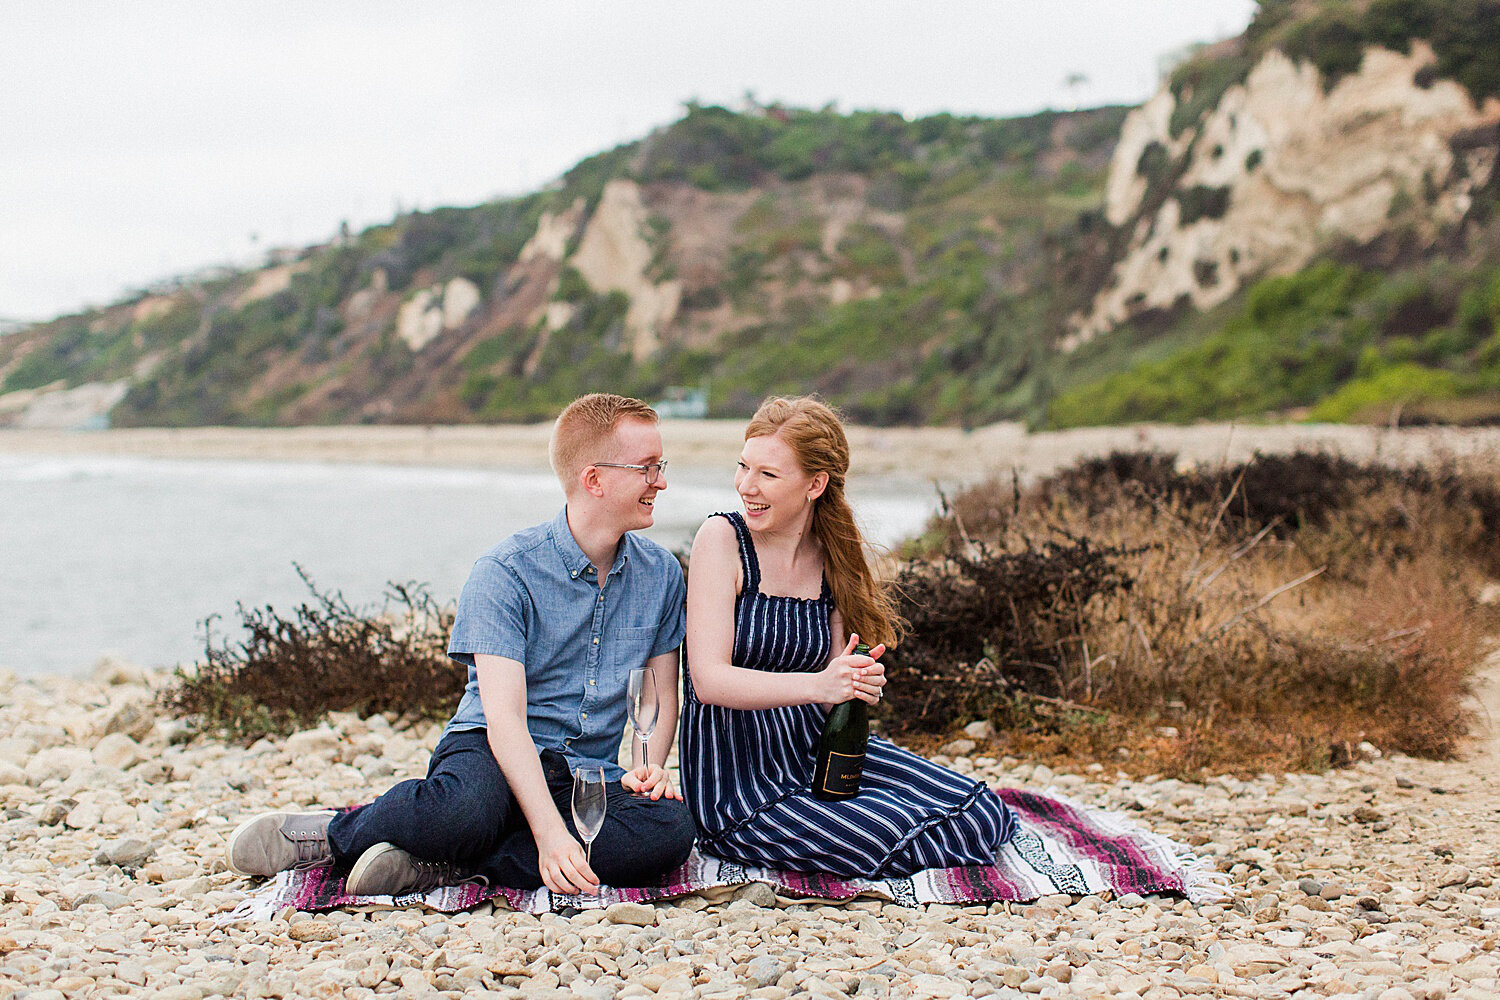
(550, 623)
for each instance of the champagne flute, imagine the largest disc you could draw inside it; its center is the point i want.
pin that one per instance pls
(589, 802)
(644, 709)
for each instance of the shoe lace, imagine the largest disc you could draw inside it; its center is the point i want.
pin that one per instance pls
(311, 846)
(431, 874)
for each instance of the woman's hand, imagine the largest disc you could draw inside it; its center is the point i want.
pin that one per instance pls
(852, 675)
(650, 780)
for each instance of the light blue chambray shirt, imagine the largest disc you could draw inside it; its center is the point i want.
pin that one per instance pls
(534, 598)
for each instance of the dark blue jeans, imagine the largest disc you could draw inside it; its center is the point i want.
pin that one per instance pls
(463, 813)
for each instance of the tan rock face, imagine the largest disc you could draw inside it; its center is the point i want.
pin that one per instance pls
(1147, 124)
(553, 231)
(151, 307)
(53, 407)
(268, 282)
(460, 298)
(430, 311)
(420, 320)
(1300, 167)
(614, 257)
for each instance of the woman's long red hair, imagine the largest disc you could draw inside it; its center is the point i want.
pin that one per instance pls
(816, 436)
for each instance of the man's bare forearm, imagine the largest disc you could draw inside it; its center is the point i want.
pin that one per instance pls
(519, 762)
(502, 690)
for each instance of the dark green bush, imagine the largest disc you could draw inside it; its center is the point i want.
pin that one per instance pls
(1153, 162)
(1332, 40)
(1201, 202)
(985, 624)
(1200, 82)
(1462, 34)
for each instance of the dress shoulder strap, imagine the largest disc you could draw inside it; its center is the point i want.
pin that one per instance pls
(748, 562)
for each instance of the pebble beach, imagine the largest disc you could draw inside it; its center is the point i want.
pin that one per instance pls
(1375, 881)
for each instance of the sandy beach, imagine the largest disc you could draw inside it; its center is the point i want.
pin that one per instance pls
(947, 455)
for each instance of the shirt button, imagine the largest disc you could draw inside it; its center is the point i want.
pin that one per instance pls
(585, 715)
(596, 642)
(591, 683)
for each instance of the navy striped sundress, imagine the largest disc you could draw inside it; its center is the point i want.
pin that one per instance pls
(747, 774)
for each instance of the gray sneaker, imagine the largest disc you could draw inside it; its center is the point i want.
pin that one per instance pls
(387, 870)
(275, 841)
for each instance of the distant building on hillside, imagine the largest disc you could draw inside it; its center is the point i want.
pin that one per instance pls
(683, 403)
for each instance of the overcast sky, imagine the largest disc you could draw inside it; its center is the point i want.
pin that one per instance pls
(145, 139)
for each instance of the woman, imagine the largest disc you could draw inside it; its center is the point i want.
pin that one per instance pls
(778, 597)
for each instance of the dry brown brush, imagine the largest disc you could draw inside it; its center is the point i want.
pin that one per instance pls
(287, 673)
(1273, 614)
(1269, 615)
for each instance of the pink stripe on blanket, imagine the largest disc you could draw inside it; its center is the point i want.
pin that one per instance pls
(1060, 847)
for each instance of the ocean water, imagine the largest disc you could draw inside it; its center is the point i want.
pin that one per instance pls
(128, 556)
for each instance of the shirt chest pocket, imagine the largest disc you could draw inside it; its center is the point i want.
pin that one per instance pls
(631, 647)
(631, 636)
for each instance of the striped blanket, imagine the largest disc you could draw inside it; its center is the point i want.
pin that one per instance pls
(1060, 846)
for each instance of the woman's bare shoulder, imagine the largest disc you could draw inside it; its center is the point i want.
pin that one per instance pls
(716, 548)
(716, 532)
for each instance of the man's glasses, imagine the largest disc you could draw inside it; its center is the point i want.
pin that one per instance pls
(653, 471)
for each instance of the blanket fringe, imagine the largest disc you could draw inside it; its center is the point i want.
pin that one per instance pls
(1176, 867)
(1201, 881)
(260, 904)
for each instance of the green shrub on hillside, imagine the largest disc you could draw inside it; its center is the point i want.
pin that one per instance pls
(1462, 34)
(94, 347)
(1199, 83)
(1333, 35)
(572, 286)
(1200, 202)
(1292, 343)
(1332, 40)
(204, 381)
(51, 360)
(869, 252)
(1382, 394)
(1349, 341)
(586, 180)
(714, 148)
(586, 352)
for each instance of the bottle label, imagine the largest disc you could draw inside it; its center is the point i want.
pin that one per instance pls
(844, 771)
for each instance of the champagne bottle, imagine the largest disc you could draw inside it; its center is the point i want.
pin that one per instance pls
(841, 749)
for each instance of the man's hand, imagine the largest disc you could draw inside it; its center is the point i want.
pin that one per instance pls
(565, 868)
(650, 780)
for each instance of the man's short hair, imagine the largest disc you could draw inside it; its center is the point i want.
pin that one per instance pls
(583, 429)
